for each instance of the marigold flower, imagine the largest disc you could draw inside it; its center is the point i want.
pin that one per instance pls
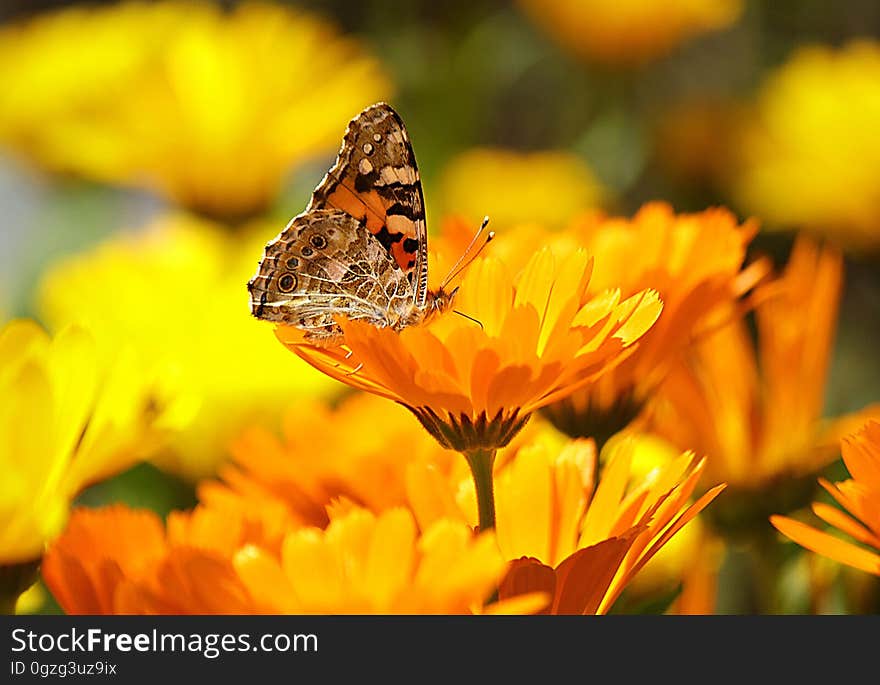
(859, 495)
(171, 291)
(756, 411)
(809, 162)
(363, 464)
(512, 187)
(540, 337)
(474, 384)
(115, 560)
(582, 548)
(628, 32)
(689, 561)
(696, 264)
(212, 107)
(367, 563)
(67, 419)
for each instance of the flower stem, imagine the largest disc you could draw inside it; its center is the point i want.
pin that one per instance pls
(481, 462)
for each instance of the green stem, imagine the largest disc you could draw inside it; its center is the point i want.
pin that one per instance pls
(481, 462)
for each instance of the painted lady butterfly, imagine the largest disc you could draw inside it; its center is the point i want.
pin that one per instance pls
(361, 247)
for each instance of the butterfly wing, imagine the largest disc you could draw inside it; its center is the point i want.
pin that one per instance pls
(375, 180)
(323, 264)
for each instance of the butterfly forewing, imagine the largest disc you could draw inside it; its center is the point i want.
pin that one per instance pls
(375, 180)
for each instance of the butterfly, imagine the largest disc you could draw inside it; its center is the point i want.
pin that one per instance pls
(360, 249)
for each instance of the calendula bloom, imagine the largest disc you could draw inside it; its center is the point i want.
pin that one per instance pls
(512, 187)
(210, 106)
(172, 291)
(68, 418)
(278, 483)
(817, 169)
(581, 545)
(368, 563)
(696, 262)
(690, 560)
(116, 560)
(314, 462)
(540, 336)
(859, 496)
(473, 384)
(756, 412)
(629, 32)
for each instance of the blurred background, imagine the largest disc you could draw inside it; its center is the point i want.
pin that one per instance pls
(122, 124)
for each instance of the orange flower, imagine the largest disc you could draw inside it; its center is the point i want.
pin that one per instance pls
(540, 337)
(474, 380)
(860, 496)
(116, 560)
(618, 533)
(756, 412)
(579, 545)
(364, 563)
(695, 263)
(315, 462)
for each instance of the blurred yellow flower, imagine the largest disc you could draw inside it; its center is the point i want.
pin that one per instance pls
(512, 187)
(368, 563)
(860, 496)
(68, 418)
(211, 107)
(810, 156)
(584, 546)
(628, 32)
(756, 412)
(173, 292)
(540, 337)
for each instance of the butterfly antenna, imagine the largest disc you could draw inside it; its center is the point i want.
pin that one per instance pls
(463, 261)
(476, 321)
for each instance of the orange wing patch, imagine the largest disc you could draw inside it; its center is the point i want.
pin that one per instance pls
(376, 180)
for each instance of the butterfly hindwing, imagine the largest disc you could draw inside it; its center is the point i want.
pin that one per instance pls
(324, 264)
(375, 180)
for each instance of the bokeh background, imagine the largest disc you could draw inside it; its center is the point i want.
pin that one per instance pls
(525, 111)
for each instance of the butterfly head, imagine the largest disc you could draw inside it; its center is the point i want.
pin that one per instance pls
(438, 301)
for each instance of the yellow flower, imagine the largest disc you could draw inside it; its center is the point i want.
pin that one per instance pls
(860, 496)
(211, 107)
(540, 336)
(695, 262)
(579, 544)
(628, 32)
(512, 187)
(690, 559)
(172, 291)
(68, 418)
(811, 150)
(364, 563)
(756, 412)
